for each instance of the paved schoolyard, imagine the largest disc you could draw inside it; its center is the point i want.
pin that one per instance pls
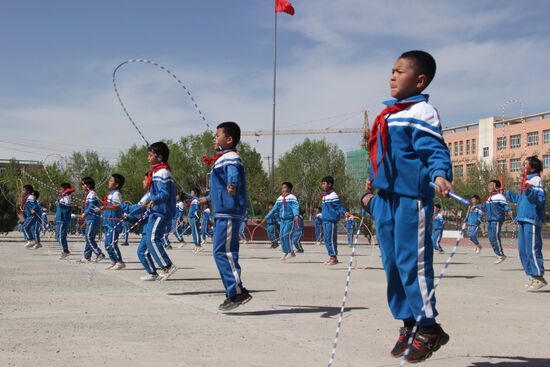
(60, 313)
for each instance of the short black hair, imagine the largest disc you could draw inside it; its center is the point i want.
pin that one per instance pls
(496, 182)
(65, 186)
(28, 188)
(197, 190)
(88, 181)
(119, 180)
(231, 129)
(160, 149)
(288, 184)
(329, 180)
(438, 206)
(36, 194)
(535, 163)
(476, 197)
(422, 63)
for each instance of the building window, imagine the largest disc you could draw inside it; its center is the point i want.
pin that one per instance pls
(546, 161)
(515, 141)
(474, 151)
(467, 146)
(458, 171)
(485, 152)
(470, 167)
(450, 146)
(456, 148)
(532, 138)
(502, 165)
(501, 143)
(546, 136)
(515, 164)
(461, 150)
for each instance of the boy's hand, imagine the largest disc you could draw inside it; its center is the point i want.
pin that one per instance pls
(443, 187)
(203, 200)
(526, 186)
(368, 185)
(231, 190)
(150, 205)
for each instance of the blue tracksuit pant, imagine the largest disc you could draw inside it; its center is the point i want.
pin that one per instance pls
(145, 257)
(472, 234)
(331, 237)
(226, 254)
(28, 227)
(350, 233)
(494, 228)
(318, 232)
(436, 238)
(297, 234)
(62, 235)
(37, 228)
(530, 249)
(195, 231)
(286, 235)
(272, 233)
(90, 244)
(111, 243)
(154, 237)
(403, 225)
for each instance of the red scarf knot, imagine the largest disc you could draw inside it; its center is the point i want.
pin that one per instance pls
(155, 168)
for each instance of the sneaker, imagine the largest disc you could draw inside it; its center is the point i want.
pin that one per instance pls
(529, 282)
(317, 243)
(477, 249)
(30, 244)
(149, 277)
(424, 344)
(84, 261)
(124, 244)
(290, 255)
(110, 266)
(500, 259)
(99, 257)
(168, 247)
(119, 266)
(167, 273)
(440, 250)
(182, 245)
(231, 303)
(401, 345)
(537, 283)
(283, 258)
(38, 245)
(327, 261)
(64, 255)
(333, 260)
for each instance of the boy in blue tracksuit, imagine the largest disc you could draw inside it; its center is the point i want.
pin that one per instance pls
(205, 223)
(92, 217)
(30, 210)
(288, 208)
(473, 221)
(298, 232)
(530, 216)
(161, 203)
(180, 218)
(318, 221)
(39, 222)
(228, 201)
(112, 220)
(350, 229)
(271, 228)
(243, 228)
(437, 228)
(495, 209)
(64, 206)
(195, 219)
(331, 210)
(408, 152)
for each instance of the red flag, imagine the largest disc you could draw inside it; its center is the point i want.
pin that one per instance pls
(283, 6)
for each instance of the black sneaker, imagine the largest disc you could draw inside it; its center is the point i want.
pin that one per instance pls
(232, 303)
(401, 345)
(425, 343)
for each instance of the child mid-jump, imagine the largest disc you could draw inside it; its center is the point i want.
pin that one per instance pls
(408, 152)
(495, 209)
(92, 218)
(437, 228)
(331, 210)
(531, 204)
(111, 221)
(64, 207)
(473, 221)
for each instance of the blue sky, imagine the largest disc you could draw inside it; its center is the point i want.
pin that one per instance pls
(334, 59)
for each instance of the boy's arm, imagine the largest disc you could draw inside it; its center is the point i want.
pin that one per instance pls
(511, 196)
(273, 210)
(163, 194)
(233, 178)
(535, 194)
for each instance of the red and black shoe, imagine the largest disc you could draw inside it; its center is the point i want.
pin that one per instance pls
(425, 343)
(401, 345)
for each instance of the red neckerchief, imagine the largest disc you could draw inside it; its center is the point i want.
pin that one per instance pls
(210, 160)
(86, 197)
(380, 127)
(488, 197)
(326, 193)
(155, 168)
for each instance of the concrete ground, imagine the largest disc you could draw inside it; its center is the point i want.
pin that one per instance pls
(61, 313)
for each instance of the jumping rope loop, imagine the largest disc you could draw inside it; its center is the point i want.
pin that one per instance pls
(503, 109)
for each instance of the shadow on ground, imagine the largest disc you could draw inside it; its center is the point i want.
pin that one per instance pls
(198, 293)
(326, 312)
(512, 362)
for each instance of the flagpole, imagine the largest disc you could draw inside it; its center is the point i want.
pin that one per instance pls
(274, 102)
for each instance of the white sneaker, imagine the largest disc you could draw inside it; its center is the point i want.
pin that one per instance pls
(30, 244)
(181, 245)
(529, 282)
(500, 259)
(537, 283)
(38, 245)
(99, 258)
(317, 243)
(165, 274)
(477, 249)
(149, 277)
(64, 255)
(110, 266)
(119, 266)
(84, 261)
